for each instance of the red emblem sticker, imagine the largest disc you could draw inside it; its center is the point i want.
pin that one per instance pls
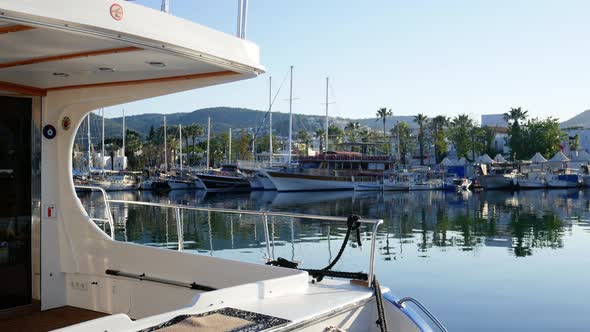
(66, 122)
(117, 12)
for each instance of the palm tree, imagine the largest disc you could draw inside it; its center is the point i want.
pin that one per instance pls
(515, 139)
(351, 129)
(421, 120)
(320, 133)
(304, 138)
(515, 114)
(382, 114)
(460, 129)
(195, 131)
(437, 127)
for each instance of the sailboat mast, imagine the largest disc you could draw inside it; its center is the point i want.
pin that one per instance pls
(102, 144)
(290, 117)
(180, 145)
(229, 152)
(165, 6)
(327, 123)
(89, 142)
(270, 121)
(208, 139)
(165, 147)
(123, 150)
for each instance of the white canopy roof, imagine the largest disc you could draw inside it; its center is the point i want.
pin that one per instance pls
(485, 159)
(461, 161)
(581, 156)
(447, 162)
(499, 158)
(538, 158)
(559, 157)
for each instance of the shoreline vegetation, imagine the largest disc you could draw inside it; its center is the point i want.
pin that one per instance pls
(416, 138)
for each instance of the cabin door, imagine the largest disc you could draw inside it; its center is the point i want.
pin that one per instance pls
(15, 202)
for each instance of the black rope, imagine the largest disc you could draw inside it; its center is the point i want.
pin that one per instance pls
(381, 321)
(318, 275)
(353, 224)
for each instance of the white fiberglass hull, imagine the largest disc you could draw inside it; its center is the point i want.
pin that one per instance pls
(302, 182)
(531, 184)
(328, 306)
(118, 186)
(424, 186)
(497, 182)
(266, 182)
(368, 186)
(396, 186)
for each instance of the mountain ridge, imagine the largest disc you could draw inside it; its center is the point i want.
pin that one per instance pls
(223, 118)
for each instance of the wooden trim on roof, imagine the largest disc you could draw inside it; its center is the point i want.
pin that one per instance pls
(15, 28)
(22, 89)
(70, 56)
(147, 81)
(33, 91)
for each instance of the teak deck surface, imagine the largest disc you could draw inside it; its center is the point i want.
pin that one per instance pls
(41, 321)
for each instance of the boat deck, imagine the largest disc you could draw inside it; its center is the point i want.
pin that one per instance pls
(48, 320)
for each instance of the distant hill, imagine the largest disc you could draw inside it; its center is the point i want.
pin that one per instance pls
(580, 120)
(223, 118)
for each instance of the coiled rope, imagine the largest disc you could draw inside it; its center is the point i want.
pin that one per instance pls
(353, 224)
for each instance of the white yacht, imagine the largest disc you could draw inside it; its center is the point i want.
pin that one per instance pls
(122, 182)
(397, 181)
(62, 59)
(532, 180)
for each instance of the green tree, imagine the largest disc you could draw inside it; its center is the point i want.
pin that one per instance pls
(403, 134)
(421, 120)
(541, 135)
(304, 138)
(320, 134)
(459, 134)
(244, 145)
(574, 142)
(487, 140)
(437, 130)
(335, 133)
(382, 114)
(352, 130)
(515, 138)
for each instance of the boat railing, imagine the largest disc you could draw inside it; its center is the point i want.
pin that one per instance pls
(264, 219)
(105, 197)
(402, 302)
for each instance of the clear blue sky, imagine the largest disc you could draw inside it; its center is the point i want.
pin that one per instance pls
(430, 56)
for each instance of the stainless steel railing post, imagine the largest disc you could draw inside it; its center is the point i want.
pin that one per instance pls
(373, 247)
(179, 229)
(267, 237)
(105, 199)
(424, 310)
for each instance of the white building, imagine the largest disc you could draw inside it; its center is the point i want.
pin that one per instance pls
(494, 120)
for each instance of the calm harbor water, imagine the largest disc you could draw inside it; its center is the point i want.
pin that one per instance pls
(488, 261)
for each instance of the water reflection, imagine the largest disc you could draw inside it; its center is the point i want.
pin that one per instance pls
(435, 246)
(521, 222)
